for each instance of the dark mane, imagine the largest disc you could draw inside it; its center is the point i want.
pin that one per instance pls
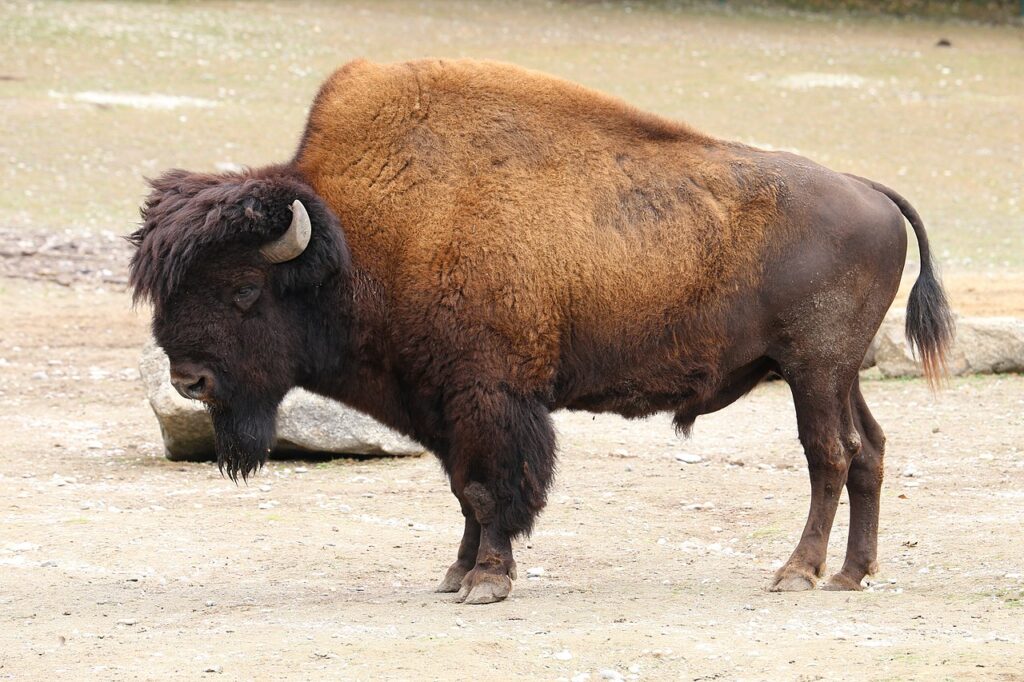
(187, 214)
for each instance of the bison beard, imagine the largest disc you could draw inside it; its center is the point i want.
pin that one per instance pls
(243, 437)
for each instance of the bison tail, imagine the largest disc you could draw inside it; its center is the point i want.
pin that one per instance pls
(930, 325)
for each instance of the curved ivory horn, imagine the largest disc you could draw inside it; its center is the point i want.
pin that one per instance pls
(293, 242)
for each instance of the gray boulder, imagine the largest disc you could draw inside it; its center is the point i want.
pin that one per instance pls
(305, 422)
(984, 345)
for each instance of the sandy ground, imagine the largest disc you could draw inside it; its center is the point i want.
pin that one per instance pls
(117, 564)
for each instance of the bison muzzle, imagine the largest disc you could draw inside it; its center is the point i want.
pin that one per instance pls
(459, 248)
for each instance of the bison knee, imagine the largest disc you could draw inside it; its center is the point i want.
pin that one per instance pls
(480, 501)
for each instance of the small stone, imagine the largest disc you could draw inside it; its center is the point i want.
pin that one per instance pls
(535, 572)
(563, 655)
(127, 621)
(910, 471)
(688, 458)
(609, 674)
(40, 376)
(214, 669)
(301, 470)
(580, 677)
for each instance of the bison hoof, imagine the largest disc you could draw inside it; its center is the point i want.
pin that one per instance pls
(452, 581)
(842, 582)
(793, 583)
(479, 587)
(790, 579)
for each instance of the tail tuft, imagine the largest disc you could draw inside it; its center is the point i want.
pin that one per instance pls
(930, 326)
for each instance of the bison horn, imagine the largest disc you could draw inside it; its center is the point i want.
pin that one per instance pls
(293, 242)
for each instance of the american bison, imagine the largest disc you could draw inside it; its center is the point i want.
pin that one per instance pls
(458, 248)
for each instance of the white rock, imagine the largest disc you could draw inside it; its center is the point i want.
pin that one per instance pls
(305, 422)
(609, 674)
(983, 345)
(563, 655)
(535, 572)
(580, 677)
(688, 458)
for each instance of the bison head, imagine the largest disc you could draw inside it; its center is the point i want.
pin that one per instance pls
(243, 271)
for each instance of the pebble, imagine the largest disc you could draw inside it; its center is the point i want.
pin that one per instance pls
(265, 488)
(301, 470)
(609, 674)
(688, 458)
(581, 677)
(910, 471)
(535, 572)
(214, 669)
(40, 376)
(127, 621)
(563, 655)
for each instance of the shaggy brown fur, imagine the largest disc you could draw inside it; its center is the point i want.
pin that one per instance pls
(491, 244)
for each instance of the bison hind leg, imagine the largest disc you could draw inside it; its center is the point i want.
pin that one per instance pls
(864, 485)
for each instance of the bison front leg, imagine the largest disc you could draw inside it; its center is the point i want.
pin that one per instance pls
(501, 465)
(466, 560)
(491, 577)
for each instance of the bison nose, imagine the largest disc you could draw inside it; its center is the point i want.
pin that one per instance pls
(192, 382)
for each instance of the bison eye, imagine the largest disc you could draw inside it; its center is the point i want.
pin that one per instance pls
(246, 295)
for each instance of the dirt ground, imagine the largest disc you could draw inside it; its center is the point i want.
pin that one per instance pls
(117, 564)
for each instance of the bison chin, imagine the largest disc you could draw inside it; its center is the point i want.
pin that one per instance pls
(243, 435)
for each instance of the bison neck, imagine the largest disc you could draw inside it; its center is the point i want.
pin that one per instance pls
(348, 344)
